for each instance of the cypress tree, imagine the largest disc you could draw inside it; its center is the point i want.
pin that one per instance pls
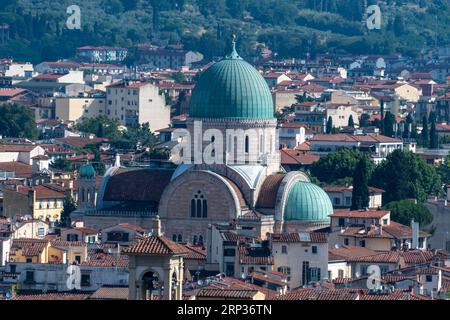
(425, 135)
(360, 193)
(329, 127)
(434, 140)
(351, 123)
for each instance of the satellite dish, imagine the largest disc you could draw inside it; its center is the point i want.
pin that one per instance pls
(357, 274)
(336, 246)
(8, 295)
(243, 276)
(200, 283)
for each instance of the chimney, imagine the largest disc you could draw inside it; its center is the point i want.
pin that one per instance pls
(415, 234)
(157, 226)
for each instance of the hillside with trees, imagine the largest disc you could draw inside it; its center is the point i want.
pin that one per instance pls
(290, 28)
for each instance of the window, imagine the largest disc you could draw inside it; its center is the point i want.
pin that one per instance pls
(314, 249)
(194, 241)
(12, 268)
(247, 144)
(229, 252)
(199, 206)
(341, 222)
(364, 270)
(180, 238)
(29, 276)
(340, 273)
(429, 278)
(337, 201)
(348, 200)
(174, 238)
(78, 259)
(362, 243)
(286, 270)
(284, 249)
(41, 232)
(85, 280)
(29, 260)
(346, 241)
(72, 237)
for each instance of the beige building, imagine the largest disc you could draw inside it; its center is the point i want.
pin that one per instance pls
(76, 108)
(340, 114)
(133, 103)
(40, 202)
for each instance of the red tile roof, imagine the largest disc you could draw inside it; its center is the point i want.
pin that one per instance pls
(268, 194)
(157, 246)
(20, 169)
(314, 237)
(368, 214)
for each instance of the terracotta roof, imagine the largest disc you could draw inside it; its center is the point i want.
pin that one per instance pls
(29, 247)
(110, 293)
(292, 156)
(42, 192)
(368, 214)
(195, 253)
(53, 296)
(349, 188)
(314, 237)
(226, 294)
(17, 147)
(348, 252)
(268, 194)
(255, 256)
(20, 169)
(102, 259)
(345, 137)
(80, 142)
(157, 246)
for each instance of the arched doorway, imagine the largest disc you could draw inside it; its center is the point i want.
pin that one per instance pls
(152, 286)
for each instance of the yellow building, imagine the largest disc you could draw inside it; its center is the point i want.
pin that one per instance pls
(45, 251)
(40, 202)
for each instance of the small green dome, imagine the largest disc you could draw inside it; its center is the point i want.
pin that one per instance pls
(87, 171)
(307, 202)
(232, 88)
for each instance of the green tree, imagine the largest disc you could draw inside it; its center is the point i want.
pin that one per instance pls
(434, 139)
(406, 210)
(17, 121)
(388, 124)
(69, 206)
(338, 165)
(330, 126)
(351, 123)
(425, 135)
(361, 176)
(364, 121)
(404, 175)
(62, 164)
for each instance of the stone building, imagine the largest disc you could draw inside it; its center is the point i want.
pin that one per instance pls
(238, 176)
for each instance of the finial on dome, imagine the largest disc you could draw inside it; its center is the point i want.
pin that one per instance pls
(234, 54)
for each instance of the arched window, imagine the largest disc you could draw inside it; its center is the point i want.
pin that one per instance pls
(194, 241)
(180, 238)
(82, 194)
(174, 238)
(205, 209)
(199, 206)
(247, 144)
(193, 205)
(200, 240)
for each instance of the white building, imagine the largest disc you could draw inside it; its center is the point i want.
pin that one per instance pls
(133, 103)
(304, 256)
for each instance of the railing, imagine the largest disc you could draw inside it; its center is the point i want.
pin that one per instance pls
(120, 213)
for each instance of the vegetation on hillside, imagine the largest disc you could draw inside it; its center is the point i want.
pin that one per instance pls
(291, 28)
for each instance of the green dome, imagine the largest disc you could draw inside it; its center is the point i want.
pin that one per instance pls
(232, 88)
(307, 202)
(87, 171)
